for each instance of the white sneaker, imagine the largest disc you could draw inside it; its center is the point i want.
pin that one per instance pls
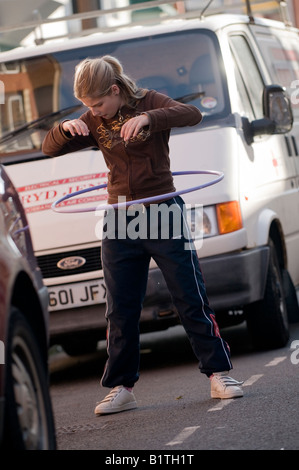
(223, 386)
(119, 399)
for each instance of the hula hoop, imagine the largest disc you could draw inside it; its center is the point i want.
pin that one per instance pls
(146, 200)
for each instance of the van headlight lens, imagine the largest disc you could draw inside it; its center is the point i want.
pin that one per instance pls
(209, 221)
(210, 227)
(202, 222)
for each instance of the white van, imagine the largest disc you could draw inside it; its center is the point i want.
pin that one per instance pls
(233, 69)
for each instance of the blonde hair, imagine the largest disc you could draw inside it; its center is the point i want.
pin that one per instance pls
(95, 77)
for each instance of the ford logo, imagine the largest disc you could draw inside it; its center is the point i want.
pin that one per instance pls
(72, 262)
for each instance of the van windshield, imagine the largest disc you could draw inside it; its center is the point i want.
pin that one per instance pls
(186, 66)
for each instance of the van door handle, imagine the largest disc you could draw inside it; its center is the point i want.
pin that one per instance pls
(290, 153)
(295, 146)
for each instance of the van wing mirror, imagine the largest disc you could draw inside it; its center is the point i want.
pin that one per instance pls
(278, 115)
(277, 108)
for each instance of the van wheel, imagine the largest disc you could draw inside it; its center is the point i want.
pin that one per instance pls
(291, 297)
(29, 423)
(267, 319)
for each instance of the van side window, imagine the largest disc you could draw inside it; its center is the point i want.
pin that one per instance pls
(282, 57)
(244, 104)
(249, 72)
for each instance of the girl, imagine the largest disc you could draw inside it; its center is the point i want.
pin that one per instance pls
(131, 126)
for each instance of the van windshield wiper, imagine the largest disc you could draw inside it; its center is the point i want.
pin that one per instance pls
(190, 97)
(40, 122)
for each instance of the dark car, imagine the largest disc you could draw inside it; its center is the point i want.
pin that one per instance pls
(26, 417)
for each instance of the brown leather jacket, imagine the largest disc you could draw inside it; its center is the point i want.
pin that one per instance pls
(140, 168)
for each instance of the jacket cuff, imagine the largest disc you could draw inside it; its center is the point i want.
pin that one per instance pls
(67, 135)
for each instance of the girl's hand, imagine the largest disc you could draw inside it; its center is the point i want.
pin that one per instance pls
(132, 127)
(76, 126)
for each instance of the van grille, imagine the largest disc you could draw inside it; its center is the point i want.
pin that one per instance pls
(49, 268)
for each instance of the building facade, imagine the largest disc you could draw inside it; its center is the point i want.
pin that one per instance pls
(23, 23)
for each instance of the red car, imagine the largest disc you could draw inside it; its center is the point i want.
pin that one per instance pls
(26, 417)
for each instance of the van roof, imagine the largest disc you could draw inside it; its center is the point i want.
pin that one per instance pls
(212, 22)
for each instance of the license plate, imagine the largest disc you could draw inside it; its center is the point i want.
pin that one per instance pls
(76, 295)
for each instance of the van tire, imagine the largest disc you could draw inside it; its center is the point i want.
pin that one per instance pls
(291, 297)
(267, 319)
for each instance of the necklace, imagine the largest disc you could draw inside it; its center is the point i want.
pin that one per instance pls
(120, 117)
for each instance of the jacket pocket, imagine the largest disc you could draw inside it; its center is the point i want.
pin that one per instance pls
(141, 174)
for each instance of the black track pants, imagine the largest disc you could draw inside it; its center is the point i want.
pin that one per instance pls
(126, 262)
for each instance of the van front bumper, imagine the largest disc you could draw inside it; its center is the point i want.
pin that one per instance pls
(232, 280)
(236, 279)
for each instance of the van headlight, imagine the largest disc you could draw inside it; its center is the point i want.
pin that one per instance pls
(202, 221)
(218, 219)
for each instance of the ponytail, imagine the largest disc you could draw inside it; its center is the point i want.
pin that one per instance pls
(95, 77)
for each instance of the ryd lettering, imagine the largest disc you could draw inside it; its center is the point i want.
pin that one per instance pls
(39, 197)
